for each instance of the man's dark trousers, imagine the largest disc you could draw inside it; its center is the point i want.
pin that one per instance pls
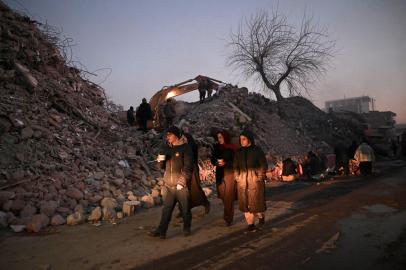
(171, 197)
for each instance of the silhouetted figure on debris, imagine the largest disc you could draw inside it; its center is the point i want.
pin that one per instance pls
(250, 172)
(204, 85)
(365, 156)
(169, 112)
(130, 116)
(143, 114)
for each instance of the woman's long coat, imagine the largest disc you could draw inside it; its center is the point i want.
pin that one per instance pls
(249, 170)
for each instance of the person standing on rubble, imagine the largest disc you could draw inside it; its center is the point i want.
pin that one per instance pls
(130, 116)
(365, 156)
(178, 165)
(169, 112)
(143, 114)
(250, 172)
(222, 158)
(202, 86)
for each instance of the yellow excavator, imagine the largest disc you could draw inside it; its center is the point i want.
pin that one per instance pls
(176, 90)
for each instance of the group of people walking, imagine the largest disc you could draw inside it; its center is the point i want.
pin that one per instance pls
(240, 175)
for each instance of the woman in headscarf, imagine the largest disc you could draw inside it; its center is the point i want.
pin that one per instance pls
(250, 172)
(222, 158)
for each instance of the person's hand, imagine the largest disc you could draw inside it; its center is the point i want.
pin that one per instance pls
(179, 187)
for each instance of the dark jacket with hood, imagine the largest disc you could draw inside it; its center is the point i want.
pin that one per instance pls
(250, 172)
(178, 164)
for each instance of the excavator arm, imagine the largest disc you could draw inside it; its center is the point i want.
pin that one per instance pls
(175, 90)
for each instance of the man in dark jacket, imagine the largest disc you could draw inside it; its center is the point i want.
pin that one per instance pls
(169, 112)
(144, 113)
(178, 166)
(250, 172)
(130, 116)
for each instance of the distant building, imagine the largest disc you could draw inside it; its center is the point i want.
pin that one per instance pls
(380, 125)
(355, 104)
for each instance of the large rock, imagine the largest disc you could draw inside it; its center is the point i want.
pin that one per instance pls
(74, 193)
(57, 220)
(6, 195)
(48, 208)
(14, 205)
(17, 228)
(98, 175)
(119, 173)
(37, 223)
(95, 199)
(148, 201)
(28, 211)
(75, 218)
(129, 207)
(155, 193)
(26, 133)
(109, 203)
(96, 214)
(109, 214)
(26, 76)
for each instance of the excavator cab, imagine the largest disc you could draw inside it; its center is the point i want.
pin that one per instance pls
(176, 90)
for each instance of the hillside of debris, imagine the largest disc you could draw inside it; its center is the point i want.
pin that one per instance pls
(62, 154)
(64, 158)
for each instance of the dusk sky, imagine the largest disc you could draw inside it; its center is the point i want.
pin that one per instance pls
(149, 44)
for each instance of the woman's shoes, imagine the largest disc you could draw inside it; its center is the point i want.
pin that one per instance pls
(251, 228)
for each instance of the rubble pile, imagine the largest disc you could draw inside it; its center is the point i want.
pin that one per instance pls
(303, 128)
(62, 154)
(65, 159)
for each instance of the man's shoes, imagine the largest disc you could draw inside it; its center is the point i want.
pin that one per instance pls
(207, 208)
(186, 232)
(157, 233)
(261, 222)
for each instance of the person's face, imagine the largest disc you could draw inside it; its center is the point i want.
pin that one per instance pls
(220, 138)
(171, 138)
(244, 141)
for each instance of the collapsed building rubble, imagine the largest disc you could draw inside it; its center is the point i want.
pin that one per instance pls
(65, 159)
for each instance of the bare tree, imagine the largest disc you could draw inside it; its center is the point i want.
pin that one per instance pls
(280, 54)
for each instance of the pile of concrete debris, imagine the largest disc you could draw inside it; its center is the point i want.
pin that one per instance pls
(62, 154)
(64, 158)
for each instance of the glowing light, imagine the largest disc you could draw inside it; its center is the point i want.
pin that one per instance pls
(170, 94)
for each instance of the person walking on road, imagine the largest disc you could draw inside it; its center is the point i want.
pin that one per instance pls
(222, 158)
(178, 165)
(250, 173)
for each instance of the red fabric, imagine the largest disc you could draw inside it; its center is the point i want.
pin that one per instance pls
(227, 140)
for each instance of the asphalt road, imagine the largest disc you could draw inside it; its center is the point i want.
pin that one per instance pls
(347, 223)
